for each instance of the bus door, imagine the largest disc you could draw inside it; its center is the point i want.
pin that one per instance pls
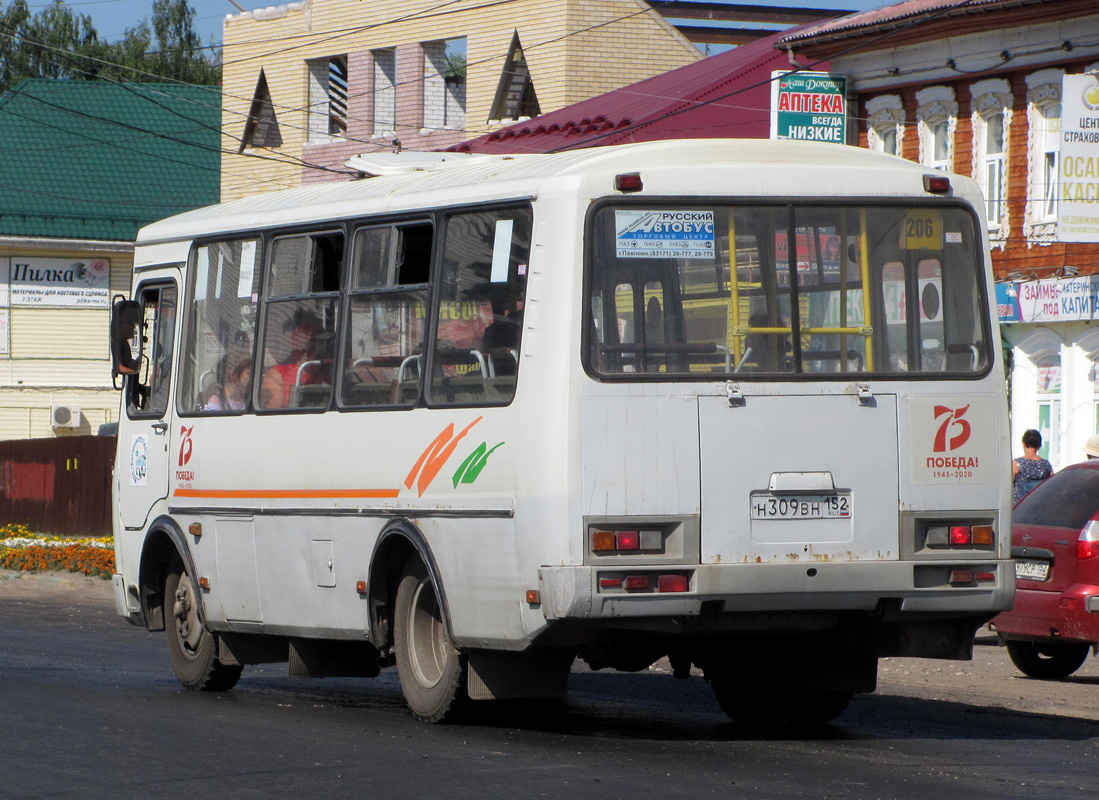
(799, 477)
(145, 437)
(796, 468)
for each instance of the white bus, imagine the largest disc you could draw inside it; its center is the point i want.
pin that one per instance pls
(739, 404)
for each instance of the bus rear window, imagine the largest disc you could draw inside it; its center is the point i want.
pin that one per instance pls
(761, 290)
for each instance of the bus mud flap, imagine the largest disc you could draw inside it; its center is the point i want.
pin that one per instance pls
(496, 675)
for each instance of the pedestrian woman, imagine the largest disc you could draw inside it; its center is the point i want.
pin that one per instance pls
(1030, 469)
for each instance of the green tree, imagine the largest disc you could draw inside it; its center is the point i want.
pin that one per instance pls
(58, 43)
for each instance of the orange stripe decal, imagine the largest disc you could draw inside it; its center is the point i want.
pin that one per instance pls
(280, 494)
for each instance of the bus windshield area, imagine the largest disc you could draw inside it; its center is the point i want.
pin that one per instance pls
(783, 290)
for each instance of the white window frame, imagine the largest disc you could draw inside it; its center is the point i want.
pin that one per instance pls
(992, 99)
(884, 117)
(936, 114)
(1043, 141)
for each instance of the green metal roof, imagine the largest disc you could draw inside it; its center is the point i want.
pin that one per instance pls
(98, 159)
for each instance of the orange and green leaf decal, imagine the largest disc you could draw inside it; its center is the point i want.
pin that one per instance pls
(435, 456)
(472, 466)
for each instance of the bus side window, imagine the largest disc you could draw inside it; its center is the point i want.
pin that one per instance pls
(300, 321)
(475, 358)
(147, 390)
(218, 344)
(383, 351)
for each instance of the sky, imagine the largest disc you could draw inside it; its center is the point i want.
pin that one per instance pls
(113, 17)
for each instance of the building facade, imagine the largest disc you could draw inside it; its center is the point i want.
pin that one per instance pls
(308, 85)
(84, 164)
(976, 88)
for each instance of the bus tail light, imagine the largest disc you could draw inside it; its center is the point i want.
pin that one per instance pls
(637, 583)
(609, 542)
(957, 535)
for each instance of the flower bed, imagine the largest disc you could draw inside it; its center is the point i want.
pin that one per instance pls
(20, 549)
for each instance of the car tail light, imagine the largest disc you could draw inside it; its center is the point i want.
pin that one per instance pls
(1087, 546)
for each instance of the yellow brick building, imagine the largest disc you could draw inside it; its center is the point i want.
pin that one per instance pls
(308, 85)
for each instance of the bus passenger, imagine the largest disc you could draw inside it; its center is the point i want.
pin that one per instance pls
(307, 344)
(232, 394)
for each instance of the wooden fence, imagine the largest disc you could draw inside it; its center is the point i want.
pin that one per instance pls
(58, 486)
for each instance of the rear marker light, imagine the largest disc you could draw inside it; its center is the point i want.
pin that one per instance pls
(671, 583)
(610, 583)
(983, 534)
(630, 182)
(204, 583)
(195, 529)
(936, 184)
(960, 534)
(534, 597)
(985, 577)
(628, 540)
(961, 576)
(938, 537)
(602, 541)
(360, 587)
(637, 582)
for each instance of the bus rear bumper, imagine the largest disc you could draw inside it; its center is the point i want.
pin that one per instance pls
(594, 593)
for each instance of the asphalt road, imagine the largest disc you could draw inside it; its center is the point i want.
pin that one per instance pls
(89, 708)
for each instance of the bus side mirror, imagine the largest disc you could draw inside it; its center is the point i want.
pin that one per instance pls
(125, 329)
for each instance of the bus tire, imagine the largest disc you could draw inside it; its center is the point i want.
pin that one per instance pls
(192, 648)
(432, 671)
(1049, 661)
(749, 706)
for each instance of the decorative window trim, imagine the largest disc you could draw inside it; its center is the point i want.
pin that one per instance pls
(1043, 89)
(883, 113)
(936, 104)
(990, 97)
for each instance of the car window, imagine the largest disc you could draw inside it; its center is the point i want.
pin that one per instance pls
(1067, 500)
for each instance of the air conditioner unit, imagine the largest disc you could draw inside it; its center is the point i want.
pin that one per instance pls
(65, 416)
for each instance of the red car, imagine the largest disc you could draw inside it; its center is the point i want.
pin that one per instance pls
(1055, 544)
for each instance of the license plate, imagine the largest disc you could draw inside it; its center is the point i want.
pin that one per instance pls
(1031, 570)
(800, 506)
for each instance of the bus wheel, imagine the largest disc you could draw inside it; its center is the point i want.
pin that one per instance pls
(1047, 660)
(192, 648)
(750, 706)
(432, 671)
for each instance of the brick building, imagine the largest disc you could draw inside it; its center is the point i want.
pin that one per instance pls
(975, 87)
(308, 85)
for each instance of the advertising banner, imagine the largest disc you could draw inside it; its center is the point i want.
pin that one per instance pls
(1052, 300)
(810, 106)
(664, 234)
(66, 282)
(1078, 181)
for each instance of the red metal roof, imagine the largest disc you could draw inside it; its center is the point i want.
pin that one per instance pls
(868, 22)
(726, 95)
